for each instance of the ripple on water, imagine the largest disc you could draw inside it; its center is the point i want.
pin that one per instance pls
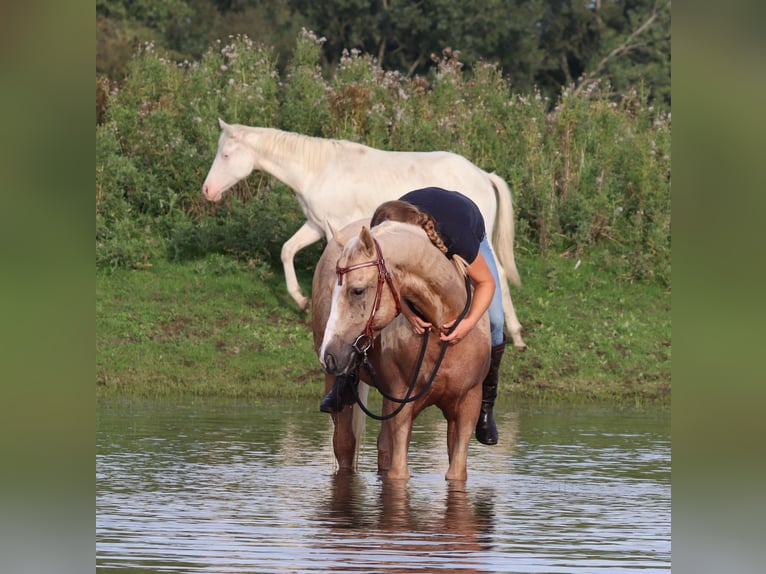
(225, 487)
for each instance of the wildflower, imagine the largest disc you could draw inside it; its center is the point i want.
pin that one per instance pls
(310, 35)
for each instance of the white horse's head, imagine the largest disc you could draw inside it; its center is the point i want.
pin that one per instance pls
(233, 162)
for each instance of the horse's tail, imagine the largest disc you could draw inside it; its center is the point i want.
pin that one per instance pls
(504, 228)
(357, 421)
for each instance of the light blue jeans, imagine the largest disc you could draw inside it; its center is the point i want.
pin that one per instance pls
(495, 311)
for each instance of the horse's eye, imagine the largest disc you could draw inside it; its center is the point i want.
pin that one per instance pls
(225, 156)
(358, 291)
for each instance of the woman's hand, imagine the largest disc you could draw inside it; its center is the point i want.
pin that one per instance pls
(463, 328)
(418, 325)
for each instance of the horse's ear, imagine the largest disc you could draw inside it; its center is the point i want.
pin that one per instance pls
(365, 238)
(224, 126)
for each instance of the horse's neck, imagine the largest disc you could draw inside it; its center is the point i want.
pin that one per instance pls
(294, 159)
(433, 285)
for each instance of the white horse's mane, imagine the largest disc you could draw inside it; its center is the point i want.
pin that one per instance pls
(314, 152)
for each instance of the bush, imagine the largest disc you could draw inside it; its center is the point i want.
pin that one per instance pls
(590, 176)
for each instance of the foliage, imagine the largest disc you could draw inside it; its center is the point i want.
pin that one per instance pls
(590, 173)
(589, 334)
(149, 146)
(304, 105)
(538, 44)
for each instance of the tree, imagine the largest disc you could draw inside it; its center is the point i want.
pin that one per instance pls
(544, 44)
(539, 44)
(622, 41)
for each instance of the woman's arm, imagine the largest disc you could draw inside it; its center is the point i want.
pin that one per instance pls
(484, 289)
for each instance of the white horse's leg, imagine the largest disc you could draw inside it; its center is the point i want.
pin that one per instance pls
(306, 235)
(511, 320)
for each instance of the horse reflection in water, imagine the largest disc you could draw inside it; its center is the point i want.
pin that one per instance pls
(360, 282)
(400, 528)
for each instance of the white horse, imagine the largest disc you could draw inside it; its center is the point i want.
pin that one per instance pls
(338, 181)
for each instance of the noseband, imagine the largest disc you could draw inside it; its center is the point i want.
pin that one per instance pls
(364, 341)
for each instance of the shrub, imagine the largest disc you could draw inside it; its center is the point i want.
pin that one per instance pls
(304, 105)
(590, 176)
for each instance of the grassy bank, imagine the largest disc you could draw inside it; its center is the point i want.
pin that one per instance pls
(219, 327)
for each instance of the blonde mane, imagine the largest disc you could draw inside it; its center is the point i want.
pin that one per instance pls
(413, 249)
(390, 226)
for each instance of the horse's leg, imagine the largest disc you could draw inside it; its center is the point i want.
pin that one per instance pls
(384, 448)
(306, 235)
(343, 441)
(393, 442)
(457, 448)
(461, 421)
(401, 432)
(511, 320)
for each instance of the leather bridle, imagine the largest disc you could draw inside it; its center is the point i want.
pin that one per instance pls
(364, 341)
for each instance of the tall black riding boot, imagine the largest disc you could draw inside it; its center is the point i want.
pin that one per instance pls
(486, 430)
(340, 395)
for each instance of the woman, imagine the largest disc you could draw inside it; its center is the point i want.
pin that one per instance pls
(455, 225)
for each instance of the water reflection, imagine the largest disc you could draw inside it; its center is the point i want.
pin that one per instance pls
(236, 487)
(387, 529)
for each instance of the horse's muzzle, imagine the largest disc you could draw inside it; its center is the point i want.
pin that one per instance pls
(329, 363)
(207, 192)
(336, 365)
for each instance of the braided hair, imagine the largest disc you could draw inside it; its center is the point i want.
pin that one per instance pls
(408, 213)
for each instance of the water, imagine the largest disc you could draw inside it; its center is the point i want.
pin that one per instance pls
(222, 487)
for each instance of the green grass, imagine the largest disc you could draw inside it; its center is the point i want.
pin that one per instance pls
(214, 328)
(217, 327)
(590, 334)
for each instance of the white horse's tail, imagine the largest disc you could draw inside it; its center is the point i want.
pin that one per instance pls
(357, 422)
(504, 228)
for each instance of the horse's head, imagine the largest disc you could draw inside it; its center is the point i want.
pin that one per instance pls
(233, 162)
(364, 301)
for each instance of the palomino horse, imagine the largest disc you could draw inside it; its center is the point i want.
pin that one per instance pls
(337, 182)
(357, 293)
